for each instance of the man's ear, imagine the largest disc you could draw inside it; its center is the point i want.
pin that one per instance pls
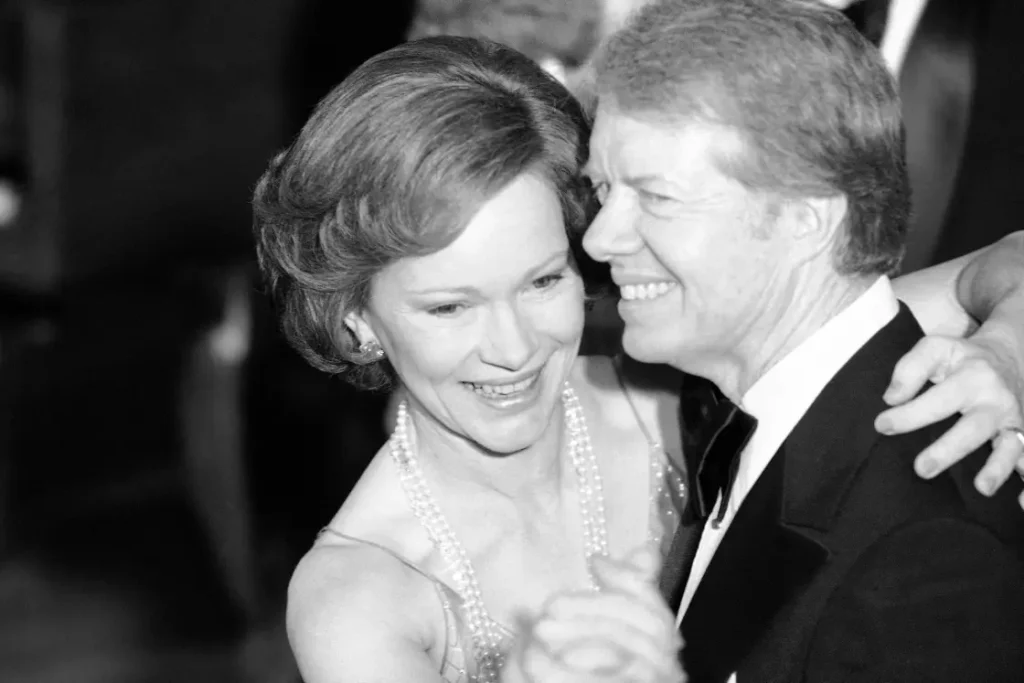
(818, 222)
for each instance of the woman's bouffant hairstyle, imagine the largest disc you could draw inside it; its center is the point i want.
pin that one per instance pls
(394, 163)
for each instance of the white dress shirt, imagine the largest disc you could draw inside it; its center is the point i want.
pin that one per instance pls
(783, 394)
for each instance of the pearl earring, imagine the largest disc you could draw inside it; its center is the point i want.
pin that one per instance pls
(371, 351)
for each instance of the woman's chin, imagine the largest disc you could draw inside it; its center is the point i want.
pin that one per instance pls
(508, 440)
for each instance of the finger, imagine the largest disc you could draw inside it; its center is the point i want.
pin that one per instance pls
(645, 559)
(649, 616)
(928, 360)
(610, 665)
(616, 588)
(562, 629)
(1000, 466)
(633, 671)
(934, 405)
(610, 575)
(637, 671)
(592, 654)
(969, 433)
(597, 644)
(532, 661)
(540, 666)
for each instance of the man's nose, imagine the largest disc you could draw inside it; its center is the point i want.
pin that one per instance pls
(611, 234)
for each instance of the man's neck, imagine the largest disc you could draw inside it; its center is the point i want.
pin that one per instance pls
(789, 318)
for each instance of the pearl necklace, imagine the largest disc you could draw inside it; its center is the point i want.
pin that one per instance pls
(485, 632)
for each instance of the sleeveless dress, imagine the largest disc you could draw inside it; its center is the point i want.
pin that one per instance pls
(459, 663)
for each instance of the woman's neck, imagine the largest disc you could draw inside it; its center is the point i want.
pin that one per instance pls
(537, 471)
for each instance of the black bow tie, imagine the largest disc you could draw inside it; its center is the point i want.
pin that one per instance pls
(714, 433)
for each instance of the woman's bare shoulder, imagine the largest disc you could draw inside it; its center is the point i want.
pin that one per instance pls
(356, 612)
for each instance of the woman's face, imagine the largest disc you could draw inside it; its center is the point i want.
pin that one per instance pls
(484, 332)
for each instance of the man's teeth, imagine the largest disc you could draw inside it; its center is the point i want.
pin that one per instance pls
(650, 290)
(503, 389)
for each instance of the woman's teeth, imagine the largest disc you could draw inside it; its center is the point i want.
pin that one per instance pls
(650, 290)
(501, 390)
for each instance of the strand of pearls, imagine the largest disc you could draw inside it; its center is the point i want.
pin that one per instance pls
(484, 631)
(588, 479)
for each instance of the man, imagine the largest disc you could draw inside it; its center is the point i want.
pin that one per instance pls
(750, 161)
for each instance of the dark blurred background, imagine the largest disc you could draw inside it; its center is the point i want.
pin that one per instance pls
(164, 458)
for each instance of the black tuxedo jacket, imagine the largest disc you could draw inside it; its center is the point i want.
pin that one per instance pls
(843, 565)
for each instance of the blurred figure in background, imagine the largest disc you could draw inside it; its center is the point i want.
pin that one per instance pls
(960, 83)
(11, 135)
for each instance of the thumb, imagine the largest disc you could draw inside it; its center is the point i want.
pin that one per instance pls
(645, 559)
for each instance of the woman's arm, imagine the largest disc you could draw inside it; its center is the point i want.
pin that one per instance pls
(352, 617)
(933, 294)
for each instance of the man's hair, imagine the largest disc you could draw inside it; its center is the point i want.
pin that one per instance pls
(394, 163)
(811, 99)
(567, 30)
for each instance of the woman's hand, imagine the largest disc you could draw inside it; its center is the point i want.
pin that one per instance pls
(983, 380)
(623, 633)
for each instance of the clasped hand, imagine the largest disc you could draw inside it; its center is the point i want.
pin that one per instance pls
(623, 632)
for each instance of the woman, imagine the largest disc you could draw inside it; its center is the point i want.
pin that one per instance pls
(423, 227)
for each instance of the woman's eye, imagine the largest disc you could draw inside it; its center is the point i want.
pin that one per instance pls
(548, 281)
(445, 310)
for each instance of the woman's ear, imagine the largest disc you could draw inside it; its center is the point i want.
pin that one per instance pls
(368, 348)
(358, 326)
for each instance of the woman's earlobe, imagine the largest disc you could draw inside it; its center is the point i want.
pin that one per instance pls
(368, 349)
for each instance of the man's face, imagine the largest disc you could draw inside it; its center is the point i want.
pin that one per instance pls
(697, 256)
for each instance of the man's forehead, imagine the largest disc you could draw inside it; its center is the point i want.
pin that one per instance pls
(631, 145)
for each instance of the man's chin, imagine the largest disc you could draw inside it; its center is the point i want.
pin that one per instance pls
(639, 345)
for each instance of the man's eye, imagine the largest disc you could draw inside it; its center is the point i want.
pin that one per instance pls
(445, 310)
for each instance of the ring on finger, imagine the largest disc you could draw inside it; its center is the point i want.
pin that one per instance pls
(1014, 433)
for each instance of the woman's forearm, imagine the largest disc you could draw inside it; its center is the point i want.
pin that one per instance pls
(991, 289)
(952, 298)
(992, 283)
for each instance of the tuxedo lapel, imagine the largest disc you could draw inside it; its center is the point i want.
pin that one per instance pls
(778, 540)
(759, 564)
